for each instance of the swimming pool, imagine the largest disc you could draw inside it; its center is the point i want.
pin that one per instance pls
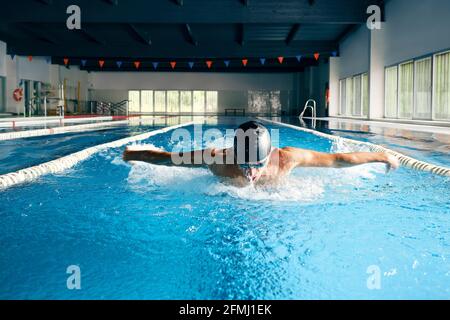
(156, 232)
(23, 153)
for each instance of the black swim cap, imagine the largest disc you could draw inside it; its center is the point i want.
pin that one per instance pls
(252, 143)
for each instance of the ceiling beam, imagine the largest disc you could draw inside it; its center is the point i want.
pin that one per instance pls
(292, 33)
(143, 37)
(189, 35)
(32, 32)
(89, 36)
(217, 12)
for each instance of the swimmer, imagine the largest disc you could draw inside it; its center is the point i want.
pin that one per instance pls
(253, 158)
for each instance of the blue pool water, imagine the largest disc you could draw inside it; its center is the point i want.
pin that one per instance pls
(151, 232)
(23, 153)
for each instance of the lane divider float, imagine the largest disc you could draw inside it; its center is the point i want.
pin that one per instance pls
(59, 165)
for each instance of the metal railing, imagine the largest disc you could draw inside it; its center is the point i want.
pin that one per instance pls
(310, 104)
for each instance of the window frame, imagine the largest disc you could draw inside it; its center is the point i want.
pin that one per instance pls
(433, 82)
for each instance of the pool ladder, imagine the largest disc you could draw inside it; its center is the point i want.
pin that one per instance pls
(311, 103)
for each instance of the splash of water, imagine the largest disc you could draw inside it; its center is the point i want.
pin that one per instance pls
(304, 185)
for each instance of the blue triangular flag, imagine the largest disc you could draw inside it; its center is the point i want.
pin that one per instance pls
(227, 63)
(48, 59)
(334, 53)
(299, 57)
(119, 64)
(263, 61)
(155, 65)
(191, 64)
(83, 62)
(12, 56)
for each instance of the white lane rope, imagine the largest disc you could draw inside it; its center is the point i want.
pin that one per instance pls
(59, 165)
(59, 130)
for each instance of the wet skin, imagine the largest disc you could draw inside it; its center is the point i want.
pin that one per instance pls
(279, 164)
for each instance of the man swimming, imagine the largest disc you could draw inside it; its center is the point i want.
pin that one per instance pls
(253, 159)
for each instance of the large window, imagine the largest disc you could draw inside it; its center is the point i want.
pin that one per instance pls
(422, 84)
(441, 92)
(211, 101)
(178, 101)
(354, 96)
(146, 101)
(2, 94)
(186, 101)
(365, 94)
(390, 91)
(173, 101)
(419, 89)
(199, 101)
(342, 102)
(134, 101)
(405, 90)
(357, 96)
(160, 101)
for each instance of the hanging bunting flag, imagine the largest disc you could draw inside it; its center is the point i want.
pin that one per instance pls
(48, 60)
(119, 64)
(191, 64)
(137, 64)
(209, 63)
(299, 58)
(66, 61)
(83, 63)
(227, 63)
(263, 61)
(316, 56)
(155, 65)
(244, 62)
(334, 53)
(30, 58)
(173, 64)
(12, 56)
(101, 63)
(280, 59)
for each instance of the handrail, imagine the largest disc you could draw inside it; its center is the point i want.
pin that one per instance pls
(313, 111)
(313, 108)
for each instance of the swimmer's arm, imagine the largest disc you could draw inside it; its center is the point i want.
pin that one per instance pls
(308, 158)
(187, 159)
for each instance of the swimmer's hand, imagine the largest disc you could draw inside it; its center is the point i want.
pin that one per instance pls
(392, 162)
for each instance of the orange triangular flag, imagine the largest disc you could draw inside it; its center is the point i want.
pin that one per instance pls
(173, 64)
(30, 58)
(316, 56)
(280, 59)
(209, 64)
(101, 63)
(66, 61)
(244, 62)
(137, 64)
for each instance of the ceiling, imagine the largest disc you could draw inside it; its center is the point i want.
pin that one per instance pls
(183, 31)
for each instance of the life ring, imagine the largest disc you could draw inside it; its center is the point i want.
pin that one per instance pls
(18, 94)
